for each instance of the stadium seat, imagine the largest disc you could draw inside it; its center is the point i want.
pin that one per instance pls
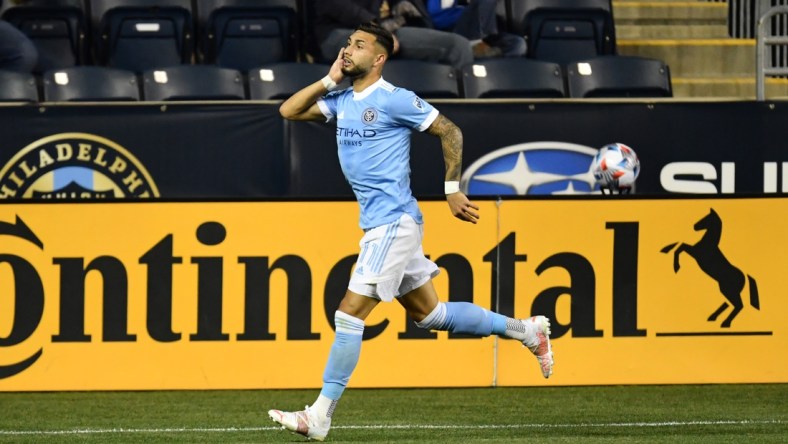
(501, 11)
(280, 80)
(513, 78)
(563, 31)
(193, 82)
(619, 76)
(57, 28)
(142, 34)
(309, 43)
(18, 87)
(244, 34)
(90, 83)
(427, 79)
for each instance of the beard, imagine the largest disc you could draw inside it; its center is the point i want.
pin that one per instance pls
(353, 71)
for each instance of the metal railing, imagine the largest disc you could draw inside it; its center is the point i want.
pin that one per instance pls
(741, 20)
(767, 37)
(743, 16)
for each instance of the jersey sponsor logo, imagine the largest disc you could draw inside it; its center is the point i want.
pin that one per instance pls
(369, 116)
(352, 137)
(551, 168)
(75, 166)
(352, 132)
(418, 103)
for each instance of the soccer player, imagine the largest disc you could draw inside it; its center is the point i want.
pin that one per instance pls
(374, 119)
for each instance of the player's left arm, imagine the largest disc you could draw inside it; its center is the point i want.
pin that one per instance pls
(451, 143)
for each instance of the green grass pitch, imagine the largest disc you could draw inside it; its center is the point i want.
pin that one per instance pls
(616, 414)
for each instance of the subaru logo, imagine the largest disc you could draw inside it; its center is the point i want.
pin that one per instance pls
(552, 168)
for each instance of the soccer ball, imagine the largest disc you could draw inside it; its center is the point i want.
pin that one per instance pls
(615, 167)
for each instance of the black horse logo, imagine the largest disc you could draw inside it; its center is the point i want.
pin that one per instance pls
(714, 263)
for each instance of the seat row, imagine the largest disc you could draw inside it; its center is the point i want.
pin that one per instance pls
(143, 34)
(604, 76)
(242, 34)
(601, 76)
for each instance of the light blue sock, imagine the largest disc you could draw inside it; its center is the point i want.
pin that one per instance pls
(464, 317)
(344, 354)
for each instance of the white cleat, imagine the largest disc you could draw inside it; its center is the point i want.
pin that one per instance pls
(303, 423)
(540, 345)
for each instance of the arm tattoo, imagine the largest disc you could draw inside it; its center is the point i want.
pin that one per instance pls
(451, 142)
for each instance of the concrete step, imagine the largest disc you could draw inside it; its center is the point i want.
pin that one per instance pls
(731, 87)
(670, 12)
(670, 19)
(706, 67)
(692, 38)
(707, 58)
(663, 1)
(671, 31)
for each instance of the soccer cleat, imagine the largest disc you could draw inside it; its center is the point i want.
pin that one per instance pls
(540, 344)
(303, 423)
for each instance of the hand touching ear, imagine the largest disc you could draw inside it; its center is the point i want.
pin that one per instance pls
(335, 72)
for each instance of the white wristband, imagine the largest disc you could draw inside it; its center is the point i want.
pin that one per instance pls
(329, 83)
(451, 186)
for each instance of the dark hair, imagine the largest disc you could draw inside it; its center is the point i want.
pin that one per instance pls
(382, 35)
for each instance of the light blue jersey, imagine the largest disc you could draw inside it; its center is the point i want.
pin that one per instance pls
(373, 140)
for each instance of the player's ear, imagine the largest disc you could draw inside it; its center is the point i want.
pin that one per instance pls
(380, 58)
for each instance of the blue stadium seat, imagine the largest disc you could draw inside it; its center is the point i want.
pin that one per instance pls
(619, 76)
(193, 82)
(58, 29)
(18, 87)
(143, 34)
(281, 80)
(427, 79)
(513, 78)
(501, 11)
(244, 34)
(307, 14)
(90, 83)
(563, 31)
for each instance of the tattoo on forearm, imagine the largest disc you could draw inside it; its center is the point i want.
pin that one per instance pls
(451, 142)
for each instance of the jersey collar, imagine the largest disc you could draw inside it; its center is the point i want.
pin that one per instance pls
(364, 94)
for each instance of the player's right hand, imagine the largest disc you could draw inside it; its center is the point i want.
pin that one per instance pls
(335, 72)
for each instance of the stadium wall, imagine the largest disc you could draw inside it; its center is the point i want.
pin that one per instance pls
(243, 150)
(221, 288)
(144, 295)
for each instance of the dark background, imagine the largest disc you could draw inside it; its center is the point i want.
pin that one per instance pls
(247, 150)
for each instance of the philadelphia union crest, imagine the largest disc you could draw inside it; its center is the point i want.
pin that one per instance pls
(75, 166)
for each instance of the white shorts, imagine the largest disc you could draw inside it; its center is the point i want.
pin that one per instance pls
(392, 262)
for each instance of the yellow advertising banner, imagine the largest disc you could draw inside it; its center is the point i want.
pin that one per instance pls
(163, 295)
(653, 291)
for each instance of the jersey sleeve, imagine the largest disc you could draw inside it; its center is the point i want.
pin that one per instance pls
(328, 105)
(411, 110)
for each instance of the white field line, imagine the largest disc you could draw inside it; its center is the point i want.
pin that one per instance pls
(90, 431)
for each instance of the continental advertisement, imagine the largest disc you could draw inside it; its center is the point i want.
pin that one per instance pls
(240, 295)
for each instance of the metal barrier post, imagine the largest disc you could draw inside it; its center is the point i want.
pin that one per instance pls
(764, 37)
